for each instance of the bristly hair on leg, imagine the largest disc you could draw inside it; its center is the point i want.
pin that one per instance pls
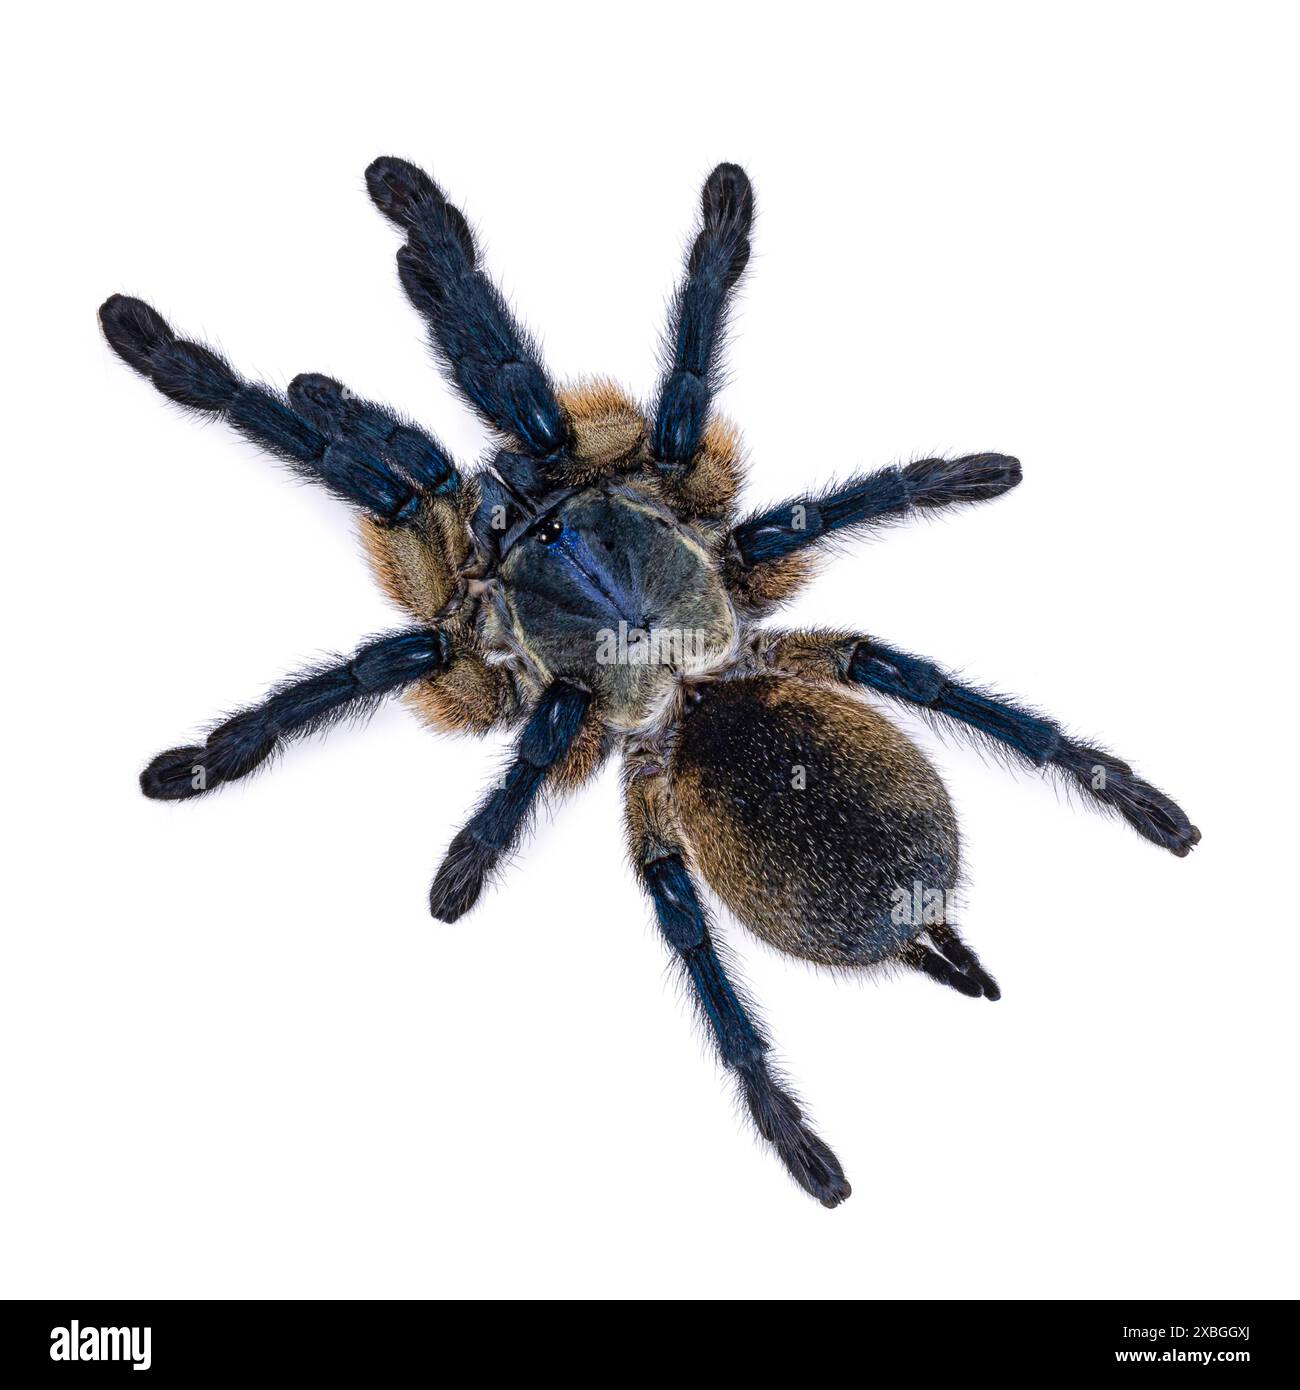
(296, 709)
(493, 361)
(740, 1039)
(494, 829)
(698, 319)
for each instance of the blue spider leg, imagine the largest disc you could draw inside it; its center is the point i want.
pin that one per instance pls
(873, 498)
(301, 706)
(740, 1040)
(201, 380)
(1041, 742)
(336, 412)
(699, 314)
(495, 828)
(489, 356)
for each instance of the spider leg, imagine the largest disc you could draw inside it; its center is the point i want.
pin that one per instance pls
(661, 865)
(1107, 781)
(340, 415)
(360, 452)
(495, 828)
(871, 499)
(302, 706)
(740, 1041)
(490, 357)
(956, 950)
(696, 331)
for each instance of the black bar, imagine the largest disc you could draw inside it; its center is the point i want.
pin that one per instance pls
(372, 1342)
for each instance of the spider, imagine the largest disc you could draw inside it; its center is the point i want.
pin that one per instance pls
(593, 588)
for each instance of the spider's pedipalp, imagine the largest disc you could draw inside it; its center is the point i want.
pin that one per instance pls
(302, 706)
(524, 476)
(200, 379)
(717, 259)
(490, 357)
(498, 512)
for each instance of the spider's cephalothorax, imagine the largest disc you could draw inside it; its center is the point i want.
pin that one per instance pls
(608, 586)
(592, 586)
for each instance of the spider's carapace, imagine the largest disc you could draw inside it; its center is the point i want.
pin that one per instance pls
(610, 587)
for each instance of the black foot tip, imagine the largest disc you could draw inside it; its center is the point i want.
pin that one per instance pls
(1165, 823)
(833, 1196)
(132, 328)
(815, 1168)
(117, 306)
(808, 1159)
(176, 775)
(728, 197)
(995, 474)
(941, 482)
(397, 187)
(443, 909)
(1189, 844)
(460, 878)
(1179, 842)
(452, 894)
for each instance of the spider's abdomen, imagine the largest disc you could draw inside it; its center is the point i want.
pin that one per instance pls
(609, 588)
(813, 818)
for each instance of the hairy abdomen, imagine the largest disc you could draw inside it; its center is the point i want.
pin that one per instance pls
(813, 818)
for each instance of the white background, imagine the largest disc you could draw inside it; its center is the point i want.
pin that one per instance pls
(237, 1057)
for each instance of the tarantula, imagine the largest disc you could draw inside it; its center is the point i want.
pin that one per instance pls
(593, 587)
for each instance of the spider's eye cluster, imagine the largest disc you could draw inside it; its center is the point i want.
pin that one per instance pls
(550, 530)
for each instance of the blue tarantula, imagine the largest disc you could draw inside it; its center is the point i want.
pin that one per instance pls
(593, 587)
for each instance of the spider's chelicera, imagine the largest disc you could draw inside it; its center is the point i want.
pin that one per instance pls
(593, 587)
